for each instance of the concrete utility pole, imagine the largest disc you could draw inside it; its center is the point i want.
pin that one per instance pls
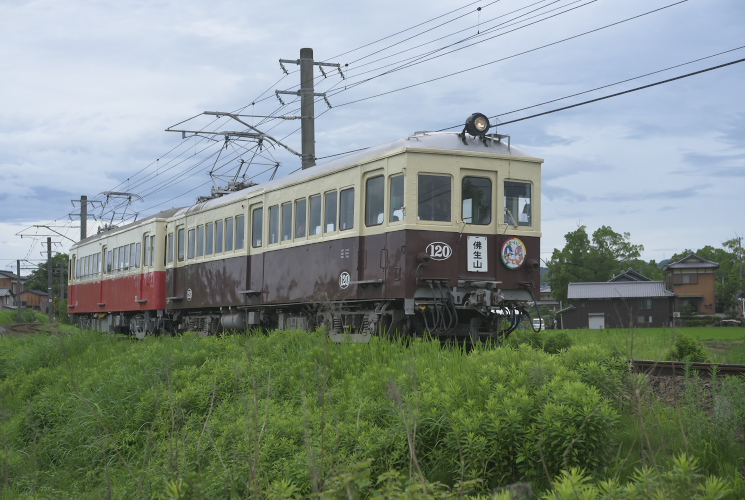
(83, 217)
(307, 104)
(18, 290)
(49, 281)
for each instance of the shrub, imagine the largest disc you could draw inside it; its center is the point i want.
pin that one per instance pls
(688, 349)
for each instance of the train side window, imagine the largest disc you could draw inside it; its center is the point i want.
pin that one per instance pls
(257, 227)
(108, 261)
(180, 247)
(152, 250)
(116, 259)
(169, 244)
(300, 218)
(396, 199)
(229, 234)
(138, 249)
(517, 201)
(123, 258)
(146, 258)
(315, 214)
(240, 231)
(286, 221)
(476, 196)
(374, 201)
(218, 236)
(346, 209)
(210, 244)
(200, 240)
(274, 224)
(434, 197)
(330, 219)
(191, 243)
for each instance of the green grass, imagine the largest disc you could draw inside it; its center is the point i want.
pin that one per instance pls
(723, 345)
(27, 316)
(284, 415)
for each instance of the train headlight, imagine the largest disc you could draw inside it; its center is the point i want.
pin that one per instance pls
(477, 124)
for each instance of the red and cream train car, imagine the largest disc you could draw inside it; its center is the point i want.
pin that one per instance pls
(436, 232)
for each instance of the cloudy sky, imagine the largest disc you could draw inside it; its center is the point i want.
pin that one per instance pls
(88, 88)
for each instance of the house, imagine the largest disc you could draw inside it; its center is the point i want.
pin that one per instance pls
(10, 280)
(36, 300)
(546, 299)
(7, 298)
(629, 300)
(693, 281)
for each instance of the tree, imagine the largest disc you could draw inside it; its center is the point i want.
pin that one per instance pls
(580, 260)
(37, 280)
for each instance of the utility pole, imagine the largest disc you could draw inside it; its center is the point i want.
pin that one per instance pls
(18, 289)
(83, 217)
(49, 280)
(307, 104)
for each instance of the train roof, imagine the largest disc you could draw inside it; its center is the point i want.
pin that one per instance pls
(442, 141)
(109, 232)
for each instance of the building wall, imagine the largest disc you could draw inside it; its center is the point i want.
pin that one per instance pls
(6, 282)
(621, 313)
(34, 301)
(686, 283)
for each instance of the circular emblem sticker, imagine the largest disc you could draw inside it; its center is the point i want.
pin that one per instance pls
(513, 253)
(344, 279)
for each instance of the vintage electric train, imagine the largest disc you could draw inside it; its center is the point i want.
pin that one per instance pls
(436, 233)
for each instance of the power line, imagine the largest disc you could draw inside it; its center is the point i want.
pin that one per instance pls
(624, 92)
(510, 57)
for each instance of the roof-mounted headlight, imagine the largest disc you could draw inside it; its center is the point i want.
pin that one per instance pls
(477, 125)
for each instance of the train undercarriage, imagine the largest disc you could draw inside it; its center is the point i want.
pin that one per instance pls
(473, 310)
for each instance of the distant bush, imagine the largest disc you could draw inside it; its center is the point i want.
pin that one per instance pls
(688, 349)
(551, 343)
(27, 316)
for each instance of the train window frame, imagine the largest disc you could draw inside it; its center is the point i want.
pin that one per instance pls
(200, 240)
(191, 243)
(482, 189)
(209, 235)
(375, 201)
(219, 235)
(430, 214)
(169, 248)
(123, 258)
(240, 231)
(524, 209)
(330, 219)
(285, 219)
(257, 227)
(273, 225)
(109, 261)
(229, 234)
(301, 222)
(180, 244)
(146, 256)
(393, 210)
(315, 207)
(346, 209)
(138, 249)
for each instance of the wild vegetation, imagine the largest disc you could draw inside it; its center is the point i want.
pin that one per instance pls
(291, 415)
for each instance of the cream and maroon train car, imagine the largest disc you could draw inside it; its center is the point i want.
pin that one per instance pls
(438, 232)
(117, 278)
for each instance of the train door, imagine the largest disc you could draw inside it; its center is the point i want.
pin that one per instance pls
(477, 249)
(255, 264)
(373, 250)
(171, 271)
(102, 273)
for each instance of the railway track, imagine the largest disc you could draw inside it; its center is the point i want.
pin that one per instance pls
(19, 329)
(678, 368)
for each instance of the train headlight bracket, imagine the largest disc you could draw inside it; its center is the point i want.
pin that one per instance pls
(477, 125)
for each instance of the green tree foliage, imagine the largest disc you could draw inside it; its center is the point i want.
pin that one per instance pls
(37, 280)
(606, 255)
(728, 275)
